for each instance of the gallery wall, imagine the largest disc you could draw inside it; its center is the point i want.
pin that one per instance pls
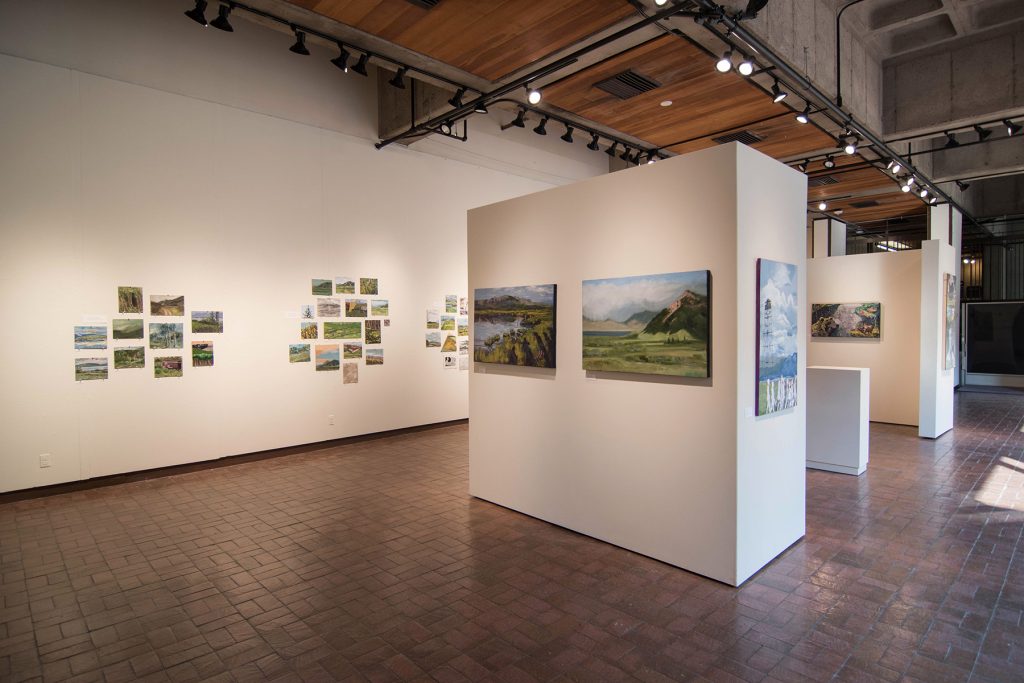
(894, 280)
(678, 469)
(141, 150)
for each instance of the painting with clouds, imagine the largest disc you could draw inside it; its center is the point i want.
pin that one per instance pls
(514, 325)
(776, 336)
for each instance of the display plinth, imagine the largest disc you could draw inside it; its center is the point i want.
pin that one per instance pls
(678, 469)
(838, 402)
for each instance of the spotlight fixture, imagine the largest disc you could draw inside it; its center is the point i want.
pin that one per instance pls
(299, 47)
(778, 94)
(398, 80)
(480, 108)
(983, 133)
(593, 142)
(533, 95)
(805, 115)
(652, 158)
(626, 153)
(446, 127)
(635, 159)
(341, 61)
(802, 167)
(724, 64)
(660, 3)
(829, 162)
(456, 99)
(520, 120)
(962, 185)
(221, 21)
(745, 67)
(951, 141)
(568, 134)
(1011, 127)
(612, 150)
(894, 166)
(905, 187)
(822, 206)
(850, 146)
(541, 128)
(923, 193)
(198, 14)
(360, 67)
(933, 200)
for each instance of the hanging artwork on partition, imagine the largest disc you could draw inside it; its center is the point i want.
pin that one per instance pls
(327, 357)
(208, 321)
(166, 304)
(166, 335)
(513, 326)
(379, 307)
(368, 285)
(373, 332)
(651, 324)
(130, 357)
(328, 307)
(321, 287)
(344, 285)
(167, 366)
(90, 337)
(350, 374)
(308, 330)
(375, 356)
(202, 354)
(127, 328)
(90, 368)
(298, 353)
(129, 299)
(355, 308)
(858, 321)
(343, 330)
(949, 336)
(776, 336)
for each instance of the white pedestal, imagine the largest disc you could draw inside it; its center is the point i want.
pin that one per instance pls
(837, 419)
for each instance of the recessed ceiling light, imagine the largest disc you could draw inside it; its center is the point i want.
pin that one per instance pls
(666, 103)
(822, 206)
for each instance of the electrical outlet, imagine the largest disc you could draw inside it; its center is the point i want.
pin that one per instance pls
(330, 419)
(44, 460)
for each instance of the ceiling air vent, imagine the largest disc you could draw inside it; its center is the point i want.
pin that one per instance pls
(864, 204)
(426, 4)
(821, 181)
(744, 136)
(627, 84)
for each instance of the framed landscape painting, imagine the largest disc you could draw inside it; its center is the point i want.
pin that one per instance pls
(651, 324)
(858, 321)
(776, 336)
(513, 325)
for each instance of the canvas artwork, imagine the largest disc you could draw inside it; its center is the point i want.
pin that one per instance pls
(166, 335)
(450, 344)
(308, 331)
(130, 357)
(514, 325)
(464, 347)
(379, 307)
(433, 340)
(343, 330)
(167, 366)
(375, 356)
(463, 327)
(463, 305)
(298, 353)
(321, 287)
(652, 324)
(205, 322)
(355, 308)
(373, 332)
(368, 285)
(353, 350)
(776, 336)
(129, 299)
(328, 307)
(433, 319)
(90, 368)
(949, 332)
(448, 322)
(306, 312)
(90, 337)
(861, 321)
(127, 328)
(202, 354)
(344, 285)
(327, 357)
(166, 304)
(351, 374)
(451, 303)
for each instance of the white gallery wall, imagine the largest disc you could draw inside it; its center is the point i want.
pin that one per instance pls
(140, 149)
(677, 469)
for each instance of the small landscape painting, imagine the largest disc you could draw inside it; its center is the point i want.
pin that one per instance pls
(344, 285)
(202, 354)
(166, 304)
(776, 336)
(379, 307)
(448, 323)
(373, 332)
(298, 353)
(450, 344)
(651, 324)
(127, 328)
(129, 299)
(463, 305)
(321, 287)
(859, 321)
(514, 325)
(167, 366)
(368, 285)
(205, 322)
(433, 340)
(353, 350)
(308, 330)
(463, 327)
(90, 337)
(327, 357)
(375, 356)
(433, 319)
(350, 374)
(166, 335)
(90, 368)
(451, 303)
(355, 308)
(130, 357)
(328, 308)
(343, 330)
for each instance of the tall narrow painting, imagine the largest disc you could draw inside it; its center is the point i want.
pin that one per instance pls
(776, 336)
(949, 336)
(650, 324)
(514, 325)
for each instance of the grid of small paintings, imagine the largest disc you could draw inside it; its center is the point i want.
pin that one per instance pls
(164, 332)
(354, 323)
(447, 330)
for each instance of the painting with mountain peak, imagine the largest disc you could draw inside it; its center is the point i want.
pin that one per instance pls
(776, 336)
(650, 324)
(515, 325)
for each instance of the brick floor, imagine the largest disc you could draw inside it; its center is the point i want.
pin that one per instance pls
(370, 562)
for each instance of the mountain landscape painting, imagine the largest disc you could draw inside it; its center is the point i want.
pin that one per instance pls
(90, 368)
(327, 357)
(776, 336)
(651, 324)
(860, 321)
(166, 304)
(514, 325)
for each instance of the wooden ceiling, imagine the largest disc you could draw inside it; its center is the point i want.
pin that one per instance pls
(878, 207)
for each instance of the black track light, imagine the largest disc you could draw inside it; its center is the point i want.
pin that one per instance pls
(962, 185)
(802, 167)
(360, 67)
(446, 127)
(198, 14)
(568, 133)
(626, 153)
(778, 94)
(456, 99)
(1011, 127)
(480, 108)
(542, 127)
(951, 141)
(341, 61)
(635, 159)
(829, 162)
(221, 21)
(299, 47)
(983, 133)
(593, 142)
(612, 150)
(398, 80)
(805, 115)
(520, 120)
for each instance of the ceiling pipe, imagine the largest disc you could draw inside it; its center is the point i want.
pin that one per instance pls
(839, 52)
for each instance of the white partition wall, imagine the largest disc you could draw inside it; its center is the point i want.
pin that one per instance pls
(677, 469)
(936, 400)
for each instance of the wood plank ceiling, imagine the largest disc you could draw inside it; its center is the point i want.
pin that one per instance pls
(499, 37)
